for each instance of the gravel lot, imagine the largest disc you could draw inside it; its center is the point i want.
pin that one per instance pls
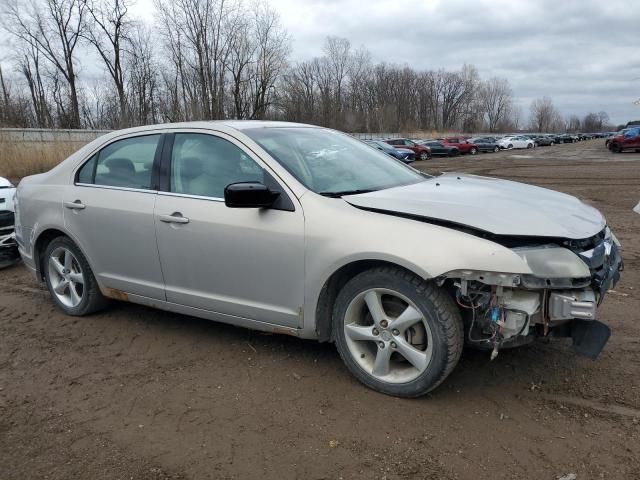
(138, 393)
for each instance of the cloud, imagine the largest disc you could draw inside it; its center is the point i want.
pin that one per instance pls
(581, 53)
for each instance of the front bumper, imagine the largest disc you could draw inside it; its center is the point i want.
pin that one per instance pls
(8, 250)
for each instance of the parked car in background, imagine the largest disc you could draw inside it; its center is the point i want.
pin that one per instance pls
(628, 139)
(461, 144)
(8, 247)
(440, 149)
(515, 141)
(611, 135)
(544, 140)
(422, 152)
(485, 144)
(302, 230)
(567, 138)
(403, 154)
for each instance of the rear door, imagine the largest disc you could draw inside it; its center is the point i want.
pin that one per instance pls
(238, 262)
(109, 212)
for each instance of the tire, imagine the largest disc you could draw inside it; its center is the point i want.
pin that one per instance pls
(615, 148)
(62, 263)
(510, 146)
(473, 151)
(424, 156)
(496, 149)
(432, 333)
(552, 144)
(529, 145)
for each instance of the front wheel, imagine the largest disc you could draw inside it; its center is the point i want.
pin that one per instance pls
(496, 149)
(510, 146)
(529, 145)
(396, 333)
(70, 280)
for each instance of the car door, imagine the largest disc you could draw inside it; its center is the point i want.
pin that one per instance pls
(631, 138)
(109, 212)
(238, 262)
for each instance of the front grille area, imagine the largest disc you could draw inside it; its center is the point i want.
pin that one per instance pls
(602, 256)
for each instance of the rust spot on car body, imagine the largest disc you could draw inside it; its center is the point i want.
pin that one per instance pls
(115, 294)
(284, 331)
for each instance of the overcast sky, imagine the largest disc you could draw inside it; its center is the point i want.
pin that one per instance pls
(584, 54)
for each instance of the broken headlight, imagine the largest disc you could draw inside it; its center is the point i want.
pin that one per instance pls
(553, 266)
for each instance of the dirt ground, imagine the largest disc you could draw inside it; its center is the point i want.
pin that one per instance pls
(135, 393)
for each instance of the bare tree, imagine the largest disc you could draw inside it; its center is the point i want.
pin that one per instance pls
(108, 31)
(54, 28)
(544, 115)
(142, 78)
(273, 47)
(573, 123)
(495, 97)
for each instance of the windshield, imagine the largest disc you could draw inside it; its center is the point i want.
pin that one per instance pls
(332, 163)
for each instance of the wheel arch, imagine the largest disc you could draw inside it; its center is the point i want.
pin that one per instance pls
(333, 285)
(43, 239)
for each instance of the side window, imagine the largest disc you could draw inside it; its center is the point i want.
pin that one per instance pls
(125, 163)
(204, 165)
(85, 174)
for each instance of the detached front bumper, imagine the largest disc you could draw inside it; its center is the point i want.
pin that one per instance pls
(8, 247)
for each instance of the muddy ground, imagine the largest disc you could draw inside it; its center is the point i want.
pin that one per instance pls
(135, 393)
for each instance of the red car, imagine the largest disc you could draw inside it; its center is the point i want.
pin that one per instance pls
(629, 138)
(463, 145)
(422, 151)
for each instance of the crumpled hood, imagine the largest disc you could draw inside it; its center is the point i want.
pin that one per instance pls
(500, 207)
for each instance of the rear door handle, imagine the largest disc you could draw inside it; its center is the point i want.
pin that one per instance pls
(76, 205)
(175, 217)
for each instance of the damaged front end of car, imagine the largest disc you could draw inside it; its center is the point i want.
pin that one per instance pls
(559, 298)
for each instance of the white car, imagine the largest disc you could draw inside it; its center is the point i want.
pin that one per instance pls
(516, 142)
(8, 247)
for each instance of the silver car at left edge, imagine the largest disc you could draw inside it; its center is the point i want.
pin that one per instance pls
(306, 231)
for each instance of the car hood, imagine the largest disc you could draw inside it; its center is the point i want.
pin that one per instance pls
(497, 206)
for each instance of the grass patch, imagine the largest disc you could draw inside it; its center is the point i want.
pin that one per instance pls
(20, 159)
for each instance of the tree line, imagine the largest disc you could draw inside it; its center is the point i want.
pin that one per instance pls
(217, 59)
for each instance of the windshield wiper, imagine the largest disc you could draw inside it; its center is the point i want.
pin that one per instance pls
(345, 192)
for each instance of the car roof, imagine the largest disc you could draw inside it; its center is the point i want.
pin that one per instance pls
(208, 124)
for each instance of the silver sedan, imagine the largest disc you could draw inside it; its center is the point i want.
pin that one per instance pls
(306, 231)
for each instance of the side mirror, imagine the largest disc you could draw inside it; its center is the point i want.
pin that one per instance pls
(249, 195)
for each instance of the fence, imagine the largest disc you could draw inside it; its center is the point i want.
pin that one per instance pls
(36, 135)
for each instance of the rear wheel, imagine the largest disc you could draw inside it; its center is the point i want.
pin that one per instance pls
(529, 145)
(510, 146)
(496, 149)
(69, 278)
(424, 156)
(473, 151)
(396, 333)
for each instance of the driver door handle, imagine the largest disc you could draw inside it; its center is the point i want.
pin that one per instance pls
(175, 217)
(76, 205)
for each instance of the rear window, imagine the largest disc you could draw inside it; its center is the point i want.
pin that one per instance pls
(126, 163)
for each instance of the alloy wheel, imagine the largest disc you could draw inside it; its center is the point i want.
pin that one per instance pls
(66, 277)
(388, 336)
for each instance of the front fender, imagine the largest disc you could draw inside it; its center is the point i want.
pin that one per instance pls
(337, 234)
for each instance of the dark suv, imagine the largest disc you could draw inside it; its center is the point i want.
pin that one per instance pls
(422, 151)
